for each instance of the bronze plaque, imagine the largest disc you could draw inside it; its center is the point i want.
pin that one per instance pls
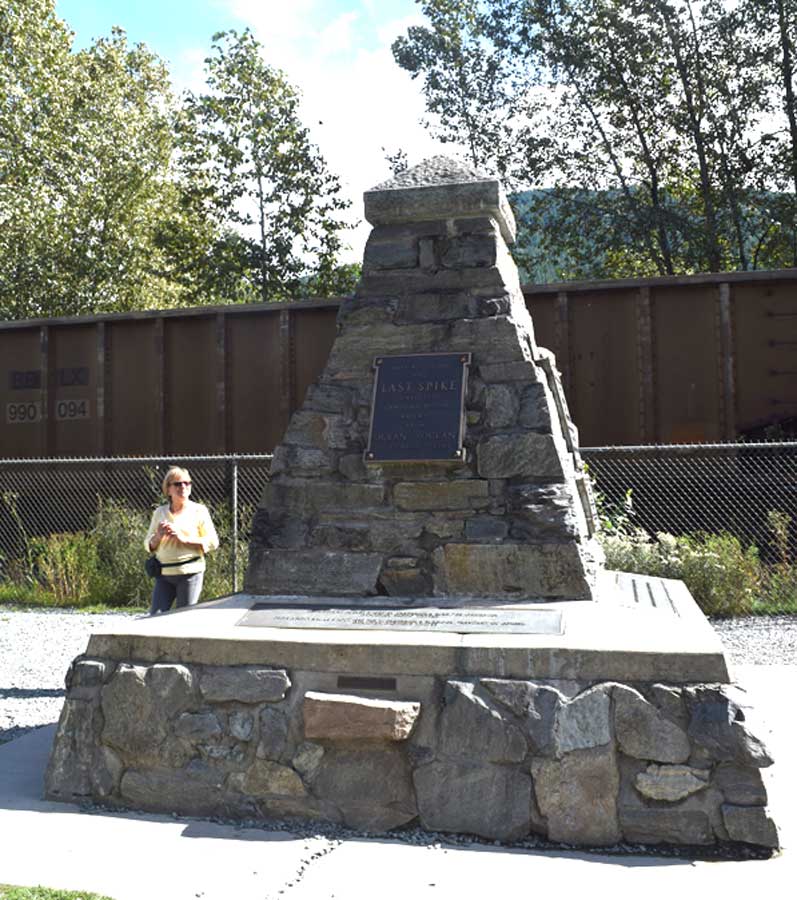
(417, 408)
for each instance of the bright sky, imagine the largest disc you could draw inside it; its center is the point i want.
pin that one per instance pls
(336, 52)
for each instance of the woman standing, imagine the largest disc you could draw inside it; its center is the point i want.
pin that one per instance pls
(180, 534)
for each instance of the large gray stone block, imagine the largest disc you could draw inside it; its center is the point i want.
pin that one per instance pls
(665, 826)
(321, 431)
(391, 252)
(502, 404)
(440, 188)
(671, 783)
(584, 721)
(468, 251)
(264, 778)
(245, 684)
(470, 493)
(523, 455)
(491, 801)
(371, 788)
(138, 704)
(643, 732)
(470, 729)
(536, 705)
(716, 726)
(311, 496)
(578, 796)
(74, 754)
(751, 825)
(436, 307)
(523, 570)
(543, 512)
(314, 572)
(198, 726)
(273, 734)
(196, 789)
(740, 785)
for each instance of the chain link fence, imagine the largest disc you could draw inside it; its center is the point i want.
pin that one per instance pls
(712, 488)
(673, 488)
(39, 497)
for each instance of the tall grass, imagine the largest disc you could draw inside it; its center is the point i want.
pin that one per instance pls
(725, 577)
(104, 566)
(9, 892)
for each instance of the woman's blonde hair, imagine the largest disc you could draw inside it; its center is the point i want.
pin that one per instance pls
(174, 474)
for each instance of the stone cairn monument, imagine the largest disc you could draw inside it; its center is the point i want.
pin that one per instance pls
(425, 500)
(427, 634)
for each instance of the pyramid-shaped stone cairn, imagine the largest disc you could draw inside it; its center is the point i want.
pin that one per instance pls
(504, 511)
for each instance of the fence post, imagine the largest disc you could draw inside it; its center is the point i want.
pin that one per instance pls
(235, 524)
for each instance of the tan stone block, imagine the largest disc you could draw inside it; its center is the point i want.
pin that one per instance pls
(264, 778)
(436, 495)
(578, 796)
(670, 782)
(525, 570)
(346, 717)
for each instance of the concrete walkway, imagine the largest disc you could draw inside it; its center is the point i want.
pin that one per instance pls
(148, 857)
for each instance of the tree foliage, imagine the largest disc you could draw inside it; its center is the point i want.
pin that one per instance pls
(656, 125)
(116, 195)
(250, 162)
(85, 186)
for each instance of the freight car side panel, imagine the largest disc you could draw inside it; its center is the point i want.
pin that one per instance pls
(543, 312)
(687, 353)
(132, 401)
(314, 333)
(256, 419)
(190, 362)
(603, 390)
(21, 393)
(765, 342)
(73, 423)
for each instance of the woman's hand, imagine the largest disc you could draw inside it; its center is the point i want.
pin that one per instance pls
(164, 532)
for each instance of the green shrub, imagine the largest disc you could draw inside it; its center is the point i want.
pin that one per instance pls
(781, 587)
(722, 576)
(9, 892)
(118, 534)
(67, 567)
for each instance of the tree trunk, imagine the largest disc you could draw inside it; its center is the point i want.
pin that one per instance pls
(787, 52)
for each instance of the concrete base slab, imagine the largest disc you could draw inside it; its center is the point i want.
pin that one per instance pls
(637, 629)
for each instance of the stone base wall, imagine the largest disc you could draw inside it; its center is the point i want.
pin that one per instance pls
(584, 763)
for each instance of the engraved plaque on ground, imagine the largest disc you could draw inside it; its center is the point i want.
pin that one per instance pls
(458, 621)
(417, 407)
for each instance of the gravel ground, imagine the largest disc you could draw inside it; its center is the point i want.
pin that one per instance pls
(37, 647)
(35, 651)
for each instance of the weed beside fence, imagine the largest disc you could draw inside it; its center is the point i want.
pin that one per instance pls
(720, 517)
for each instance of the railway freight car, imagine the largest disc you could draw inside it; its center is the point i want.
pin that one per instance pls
(665, 360)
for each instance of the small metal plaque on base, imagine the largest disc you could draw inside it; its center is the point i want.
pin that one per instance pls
(456, 621)
(417, 408)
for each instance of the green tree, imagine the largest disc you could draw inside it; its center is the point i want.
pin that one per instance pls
(649, 121)
(466, 84)
(35, 79)
(90, 214)
(248, 161)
